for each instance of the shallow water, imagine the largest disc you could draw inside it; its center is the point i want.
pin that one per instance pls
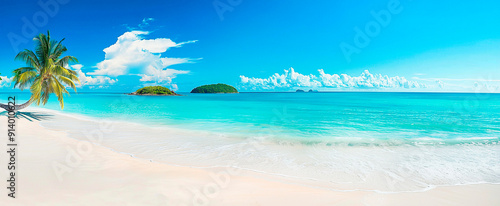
(387, 142)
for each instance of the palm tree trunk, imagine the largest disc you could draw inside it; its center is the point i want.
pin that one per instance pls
(17, 106)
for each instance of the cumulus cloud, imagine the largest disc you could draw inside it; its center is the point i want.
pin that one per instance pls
(486, 87)
(291, 79)
(174, 87)
(5, 82)
(162, 76)
(91, 81)
(440, 83)
(134, 55)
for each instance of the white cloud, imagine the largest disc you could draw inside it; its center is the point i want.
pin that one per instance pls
(484, 87)
(162, 76)
(291, 79)
(5, 82)
(134, 55)
(174, 87)
(485, 84)
(145, 22)
(91, 80)
(440, 83)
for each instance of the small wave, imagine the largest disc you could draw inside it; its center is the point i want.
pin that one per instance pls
(341, 163)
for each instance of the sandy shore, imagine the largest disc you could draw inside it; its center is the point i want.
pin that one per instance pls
(55, 169)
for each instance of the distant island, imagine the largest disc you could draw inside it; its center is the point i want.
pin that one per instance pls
(300, 91)
(215, 88)
(155, 90)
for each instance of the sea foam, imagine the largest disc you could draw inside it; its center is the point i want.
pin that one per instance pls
(347, 163)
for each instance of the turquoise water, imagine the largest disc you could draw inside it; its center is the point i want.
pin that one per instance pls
(308, 116)
(386, 142)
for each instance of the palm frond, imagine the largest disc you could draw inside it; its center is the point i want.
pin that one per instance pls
(29, 58)
(68, 82)
(36, 90)
(59, 90)
(58, 49)
(66, 60)
(45, 73)
(24, 76)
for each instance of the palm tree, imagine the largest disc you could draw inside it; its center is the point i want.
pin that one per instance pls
(45, 72)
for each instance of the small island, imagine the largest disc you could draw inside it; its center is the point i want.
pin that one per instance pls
(155, 90)
(299, 90)
(215, 88)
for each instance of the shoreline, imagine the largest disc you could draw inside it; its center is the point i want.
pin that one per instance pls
(303, 181)
(103, 174)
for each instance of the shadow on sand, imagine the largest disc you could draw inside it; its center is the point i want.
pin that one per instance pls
(30, 116)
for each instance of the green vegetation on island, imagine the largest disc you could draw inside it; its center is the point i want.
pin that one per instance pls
(215, 88)
(310, 91)
(154, 90)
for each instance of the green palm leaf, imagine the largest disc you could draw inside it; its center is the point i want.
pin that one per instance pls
(46, 71)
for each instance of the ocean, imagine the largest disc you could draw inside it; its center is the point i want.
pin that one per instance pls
(377, 141)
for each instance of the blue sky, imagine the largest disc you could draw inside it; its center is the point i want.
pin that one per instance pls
(263, 45)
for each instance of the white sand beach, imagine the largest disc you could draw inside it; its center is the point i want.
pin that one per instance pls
(88, 174)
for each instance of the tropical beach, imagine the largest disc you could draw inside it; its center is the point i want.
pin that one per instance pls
(250, 103)
(106, 176)
(187, 162)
